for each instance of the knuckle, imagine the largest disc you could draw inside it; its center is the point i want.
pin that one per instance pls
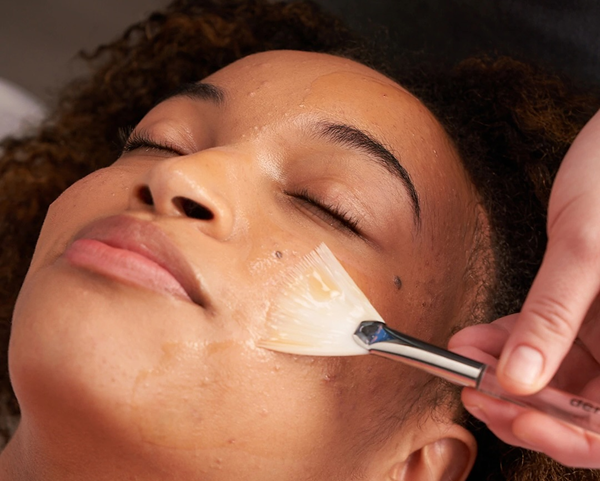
(582, 243)
(553, 318)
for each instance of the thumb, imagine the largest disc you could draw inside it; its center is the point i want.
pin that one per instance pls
(569, 277)
(556, 305)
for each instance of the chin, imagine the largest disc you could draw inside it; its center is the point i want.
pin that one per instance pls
(76, 349)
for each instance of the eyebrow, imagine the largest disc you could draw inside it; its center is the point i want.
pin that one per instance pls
(349, 136)
(341, 134)
(199, 91)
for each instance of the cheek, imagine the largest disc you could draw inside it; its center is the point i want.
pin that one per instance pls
(231, 396)
(425, 303)
(239, 408)
(252, 272)
(98, 195)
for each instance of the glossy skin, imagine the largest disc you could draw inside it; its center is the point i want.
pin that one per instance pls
(161, 378)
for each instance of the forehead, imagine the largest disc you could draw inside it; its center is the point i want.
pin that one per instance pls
(280, 66)
(291, 81)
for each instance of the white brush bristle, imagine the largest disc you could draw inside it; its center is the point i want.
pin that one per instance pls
(319, 310)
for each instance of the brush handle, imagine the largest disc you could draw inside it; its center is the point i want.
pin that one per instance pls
(379, 339)
(554, 402)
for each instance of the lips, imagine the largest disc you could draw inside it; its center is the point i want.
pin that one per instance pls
(136, 252)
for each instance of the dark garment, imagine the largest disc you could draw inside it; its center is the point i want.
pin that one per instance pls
(562, 34)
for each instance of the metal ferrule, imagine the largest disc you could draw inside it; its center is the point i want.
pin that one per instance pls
(379, 339)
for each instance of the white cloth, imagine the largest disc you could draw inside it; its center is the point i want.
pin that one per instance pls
(18, 109)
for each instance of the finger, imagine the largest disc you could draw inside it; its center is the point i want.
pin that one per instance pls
(578, 370)
(589, 334)
(563, 290)
(591, 390)
(476, 354)
(568, 280)
(489, 338)
(567, 444)
(498, 415)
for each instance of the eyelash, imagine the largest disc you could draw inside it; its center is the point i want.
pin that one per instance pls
(341, 218)
(132, 140)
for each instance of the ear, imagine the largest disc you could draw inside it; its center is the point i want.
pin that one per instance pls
(439, 452)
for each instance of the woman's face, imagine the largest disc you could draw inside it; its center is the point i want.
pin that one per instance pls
(152, 278)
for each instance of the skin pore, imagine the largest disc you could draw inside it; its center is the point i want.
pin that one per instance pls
(134, 373)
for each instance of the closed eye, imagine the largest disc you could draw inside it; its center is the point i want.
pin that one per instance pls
(334, 215)
(141, 140)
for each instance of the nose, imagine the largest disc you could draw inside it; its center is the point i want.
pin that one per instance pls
(191, 187)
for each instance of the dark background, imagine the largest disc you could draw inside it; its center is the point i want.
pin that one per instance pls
(39, 38)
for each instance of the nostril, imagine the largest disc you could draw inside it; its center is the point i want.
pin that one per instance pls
(145, 195)
(193, 209)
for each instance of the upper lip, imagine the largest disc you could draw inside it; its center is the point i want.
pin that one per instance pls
(147, 239)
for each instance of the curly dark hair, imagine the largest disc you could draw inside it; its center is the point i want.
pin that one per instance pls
(511, 123)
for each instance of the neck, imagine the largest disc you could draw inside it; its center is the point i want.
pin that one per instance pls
(30, 457)
(17, 462)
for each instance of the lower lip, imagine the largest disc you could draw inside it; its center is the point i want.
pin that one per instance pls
(123, 265)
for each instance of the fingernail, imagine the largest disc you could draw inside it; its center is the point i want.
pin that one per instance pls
(525, 365)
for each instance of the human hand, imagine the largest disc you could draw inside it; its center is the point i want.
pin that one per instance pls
(568, 281)
(563, 304)
(579, 374)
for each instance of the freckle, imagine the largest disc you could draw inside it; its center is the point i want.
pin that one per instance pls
(278, 254)
(398, 282)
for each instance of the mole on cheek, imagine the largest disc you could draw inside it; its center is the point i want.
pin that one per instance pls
(278, 254)
(397, 282)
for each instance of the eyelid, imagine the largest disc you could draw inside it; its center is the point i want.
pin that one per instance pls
(140, 139)
(342, 219)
